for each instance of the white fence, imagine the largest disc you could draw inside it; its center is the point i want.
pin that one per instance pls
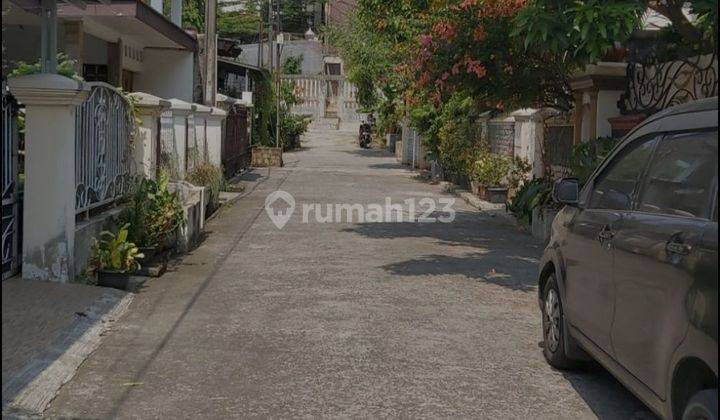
(325, 96)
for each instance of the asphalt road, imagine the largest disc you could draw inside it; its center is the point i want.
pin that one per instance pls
(351, 319)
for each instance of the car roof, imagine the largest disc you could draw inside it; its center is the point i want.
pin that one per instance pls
(700, 105)
(699, 114)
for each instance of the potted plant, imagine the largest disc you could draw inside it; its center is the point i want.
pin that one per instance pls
(154, 215)
(114, 259)
(489, 175)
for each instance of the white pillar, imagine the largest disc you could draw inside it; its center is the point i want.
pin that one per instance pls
(157, 5)
(215, 136)
(147, 141)
(49, 204)
(182, 114)
(176, 12)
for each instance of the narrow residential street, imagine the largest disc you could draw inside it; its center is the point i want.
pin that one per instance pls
(340, 319)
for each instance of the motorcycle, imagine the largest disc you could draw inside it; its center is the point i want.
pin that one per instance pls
(365, 135)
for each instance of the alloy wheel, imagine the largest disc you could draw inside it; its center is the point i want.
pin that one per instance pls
(552, 320)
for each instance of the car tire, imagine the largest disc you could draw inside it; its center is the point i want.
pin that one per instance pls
(553, 322)
(702, 406)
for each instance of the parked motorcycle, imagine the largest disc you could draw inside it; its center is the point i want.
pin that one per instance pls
(365, 135)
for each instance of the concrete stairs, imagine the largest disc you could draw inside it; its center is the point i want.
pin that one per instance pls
(325, 124)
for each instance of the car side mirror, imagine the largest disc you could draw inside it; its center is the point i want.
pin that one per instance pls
(566, 191)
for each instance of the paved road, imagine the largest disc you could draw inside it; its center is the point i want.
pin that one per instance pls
(340, 319)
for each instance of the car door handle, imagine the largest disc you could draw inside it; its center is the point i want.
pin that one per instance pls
(678, 248)
(605, 234)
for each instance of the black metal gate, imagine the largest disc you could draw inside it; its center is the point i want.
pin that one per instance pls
(10, 190)
(236, 141)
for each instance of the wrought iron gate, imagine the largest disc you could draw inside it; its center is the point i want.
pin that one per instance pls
(10, 194)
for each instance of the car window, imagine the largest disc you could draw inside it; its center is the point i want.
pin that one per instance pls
(681, 175)
(613, 189)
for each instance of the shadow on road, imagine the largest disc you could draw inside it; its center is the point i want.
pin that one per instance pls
(499, 255)
(369, 152)
(387, 166)
(606, 397)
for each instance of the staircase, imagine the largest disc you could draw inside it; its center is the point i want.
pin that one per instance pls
(325, 123)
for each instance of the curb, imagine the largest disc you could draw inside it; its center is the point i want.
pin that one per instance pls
(41, 379)
(486, 207)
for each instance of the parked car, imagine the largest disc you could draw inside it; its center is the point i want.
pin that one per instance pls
(630, 275)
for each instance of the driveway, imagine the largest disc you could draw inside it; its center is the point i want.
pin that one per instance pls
(350, 319)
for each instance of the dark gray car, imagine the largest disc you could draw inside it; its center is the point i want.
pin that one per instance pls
(630, 276)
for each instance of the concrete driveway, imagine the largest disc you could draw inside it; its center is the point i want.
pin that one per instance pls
(340, 319)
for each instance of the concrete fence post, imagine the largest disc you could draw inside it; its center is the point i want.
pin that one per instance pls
(182, 112)
(50, 103)
(147, 140)
(215, 135)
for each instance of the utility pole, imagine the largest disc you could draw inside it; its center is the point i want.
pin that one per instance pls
(271, 35)
(210, 52)
(261, 29)
(280, 42)
(274, 13)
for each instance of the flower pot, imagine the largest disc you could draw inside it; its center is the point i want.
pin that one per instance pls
(114, 279)
(149, 252)
(168, 243)
(496, 195)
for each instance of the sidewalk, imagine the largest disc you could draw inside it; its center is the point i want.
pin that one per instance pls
(48, 329)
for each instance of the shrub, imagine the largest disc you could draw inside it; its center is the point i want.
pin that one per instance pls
(115, 253)
(211, 176)
(491, 170)
(65, 67)
(291, 127)
(531, 195)
(587, 155)
(154, 213)
(458, 134)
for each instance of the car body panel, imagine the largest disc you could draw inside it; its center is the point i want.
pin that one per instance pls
(650, 282)
(669, 302)
(589, 286)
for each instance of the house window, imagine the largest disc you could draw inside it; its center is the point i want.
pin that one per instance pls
(95, 72)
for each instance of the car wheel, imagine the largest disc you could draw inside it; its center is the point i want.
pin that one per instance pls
(553, 327)
(702, 406)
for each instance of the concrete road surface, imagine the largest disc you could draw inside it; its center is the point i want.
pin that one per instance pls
(350, 319)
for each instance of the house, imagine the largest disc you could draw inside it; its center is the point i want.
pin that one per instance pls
(82, 146)
(125, 43)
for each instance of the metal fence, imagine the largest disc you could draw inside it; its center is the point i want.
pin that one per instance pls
(10, 187)
(559, 144)
(661, 74)
(236, 141)
(103, 126)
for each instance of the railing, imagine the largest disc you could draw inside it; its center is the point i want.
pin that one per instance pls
(103, 126)
(658, 77)
(325, 94)
(10, 207)
(558, 143)
(236, 142)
